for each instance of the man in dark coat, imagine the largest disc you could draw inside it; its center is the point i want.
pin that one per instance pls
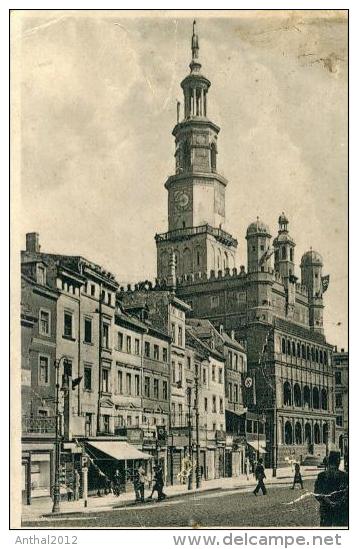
(331, 490)
(260, 476)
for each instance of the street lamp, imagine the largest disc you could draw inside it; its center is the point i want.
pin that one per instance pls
(56, 487)
(190, 476)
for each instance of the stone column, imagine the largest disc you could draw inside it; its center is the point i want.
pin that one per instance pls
(202, 102)
(194, 101)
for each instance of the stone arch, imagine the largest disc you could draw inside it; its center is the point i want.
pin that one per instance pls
(283, 345)
(287, 394)
(177, 262)
(317, 356)
(303, 350)
(324, 399)
(293, 348)
(312, 354)
(297, 395)
(288, 347)
(298, 433)
(225, 260)
(187, 261)
(219, 260)
(288, 433)
(306, 396)
(298, 350)
(325, 358)
(315, 398)
(321, 356)
(198, 258)
(325, 433)
(308, 433)
(317, 434)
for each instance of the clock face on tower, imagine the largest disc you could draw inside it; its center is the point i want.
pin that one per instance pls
(181, 200)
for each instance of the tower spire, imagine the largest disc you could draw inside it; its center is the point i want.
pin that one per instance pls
(194, 43)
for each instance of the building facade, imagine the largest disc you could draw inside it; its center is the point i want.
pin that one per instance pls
(341, 378)
(277, 318)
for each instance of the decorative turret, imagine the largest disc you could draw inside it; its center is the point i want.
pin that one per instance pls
(284, 247)
(311, 276)
(258, 246)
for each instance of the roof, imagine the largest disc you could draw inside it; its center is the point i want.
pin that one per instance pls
(214, 352)
(311, 258)
(299, 331)
(257, 227)
(204, 328)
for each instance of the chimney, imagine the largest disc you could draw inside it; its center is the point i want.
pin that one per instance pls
(221, 329)
(32, 242)
(232, 334)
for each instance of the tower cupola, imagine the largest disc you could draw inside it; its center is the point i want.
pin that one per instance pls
(284, 247)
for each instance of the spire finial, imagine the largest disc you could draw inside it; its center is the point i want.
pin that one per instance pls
(194, 43)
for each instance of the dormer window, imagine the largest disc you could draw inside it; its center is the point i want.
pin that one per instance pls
(41, 275)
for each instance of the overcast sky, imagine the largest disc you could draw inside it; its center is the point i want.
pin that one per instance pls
(98, 105)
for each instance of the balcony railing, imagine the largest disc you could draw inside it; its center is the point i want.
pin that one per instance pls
(39, 425)
(187, 232)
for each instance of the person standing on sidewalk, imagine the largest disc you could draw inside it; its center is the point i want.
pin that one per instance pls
(297, 479)
(331, 490)
(260, 476)
(139, 479)
(158, 483)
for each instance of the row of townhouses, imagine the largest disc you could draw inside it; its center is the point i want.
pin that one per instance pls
(137, 378)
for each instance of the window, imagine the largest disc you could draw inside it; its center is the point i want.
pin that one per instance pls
(136, 421)
(106, 423)
(214, 426)
(156, 388)
(213, 377)
(88, 330)
(173, 372)
(120, 382)
(338, 378)
(165, 355)
(42, 413)
(128, 384)
(67, 324)
(87, 378)
(180, 336)
(180, 406)
(283, 346)
(205, 404)
(220, 375)
(147, 349)
(204, 376)
(88, 424)
(236, 393)
(129, 421)
(230, 391)
(109, 298)
(120, 341)
(44, 325)
(165, 390)
(236, 362)
(147, 386)
(214, 301)
(137, 346)
(221, 406)
(188, 362)
(129, 344)
(105, 380)
(156, 352)
(43, 370)
(137, 385)
(180, 372)
(105, 335)
(214, 404)
(339, 421)
(41, 275)
(288, 347)
(93, 290)
(339, 401)
(173, 332)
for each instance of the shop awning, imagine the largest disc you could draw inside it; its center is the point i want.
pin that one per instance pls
(118, 449)
(257, 447)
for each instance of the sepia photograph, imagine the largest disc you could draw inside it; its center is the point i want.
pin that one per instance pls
(179, 220)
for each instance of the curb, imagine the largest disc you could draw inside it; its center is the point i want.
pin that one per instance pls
(282, 481)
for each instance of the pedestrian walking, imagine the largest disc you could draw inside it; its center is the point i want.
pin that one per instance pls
(117, 483)
(297, 479)
(158, 483)
(139, 479)
(331, 490)
(260, 476)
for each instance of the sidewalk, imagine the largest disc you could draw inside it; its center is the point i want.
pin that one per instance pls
(41, 508)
